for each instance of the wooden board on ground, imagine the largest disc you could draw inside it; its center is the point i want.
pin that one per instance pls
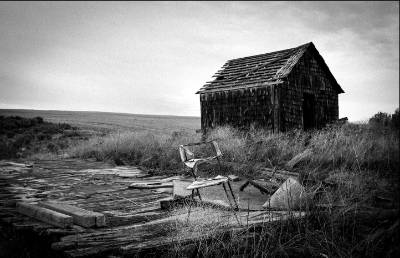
(306, 154)
(206, 183)
(45, 215)
(80, 216)
(150, 185)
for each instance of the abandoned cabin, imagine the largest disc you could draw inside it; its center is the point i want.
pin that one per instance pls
(282, 90)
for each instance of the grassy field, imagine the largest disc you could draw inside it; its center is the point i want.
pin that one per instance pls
(355, 214)
(107, 121)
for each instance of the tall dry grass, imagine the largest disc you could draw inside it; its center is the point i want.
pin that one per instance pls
(346, 220)
(153, 151)
(348, 226)
(354, 147)
(351, 146)
(347, 232)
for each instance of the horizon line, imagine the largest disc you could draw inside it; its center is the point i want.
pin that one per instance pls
(92, 111)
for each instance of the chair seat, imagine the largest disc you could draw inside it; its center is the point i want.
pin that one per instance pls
(192, 162)
(207, 182)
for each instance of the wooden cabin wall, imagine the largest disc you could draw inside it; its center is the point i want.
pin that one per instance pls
(307, 77)
(238, 108)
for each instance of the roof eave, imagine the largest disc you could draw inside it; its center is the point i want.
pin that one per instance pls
(246, 86)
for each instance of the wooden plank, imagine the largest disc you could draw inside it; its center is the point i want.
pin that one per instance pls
(10, 163)
(80, 216)
(306, 154)
(116, 219)
(45, 215)
(151, 185)
(206, 183)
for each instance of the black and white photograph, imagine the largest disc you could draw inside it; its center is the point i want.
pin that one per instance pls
(199, 129)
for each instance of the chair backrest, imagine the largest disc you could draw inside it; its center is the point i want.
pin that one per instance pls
(186, 154)
(216, 148)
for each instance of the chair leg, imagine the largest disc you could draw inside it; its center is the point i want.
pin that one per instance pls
(233, 195)
(230, 204)
(198, 194)
(219, 165)
(190, 206)
(227, 195)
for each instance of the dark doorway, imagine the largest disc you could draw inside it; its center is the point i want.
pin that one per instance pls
(308, 111)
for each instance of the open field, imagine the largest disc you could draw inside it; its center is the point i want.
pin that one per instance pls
(111, 121)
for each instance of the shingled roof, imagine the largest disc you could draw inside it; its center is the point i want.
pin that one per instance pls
(261, 70)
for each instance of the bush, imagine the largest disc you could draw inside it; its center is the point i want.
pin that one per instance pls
(380, 118)
(23, 136)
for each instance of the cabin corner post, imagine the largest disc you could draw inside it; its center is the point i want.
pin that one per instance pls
(276, 107)
(202, 114)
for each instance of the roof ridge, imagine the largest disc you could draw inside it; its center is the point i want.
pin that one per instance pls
(292, 60)
(268, 53)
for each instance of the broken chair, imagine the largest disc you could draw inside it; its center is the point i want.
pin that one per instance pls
(191, 163)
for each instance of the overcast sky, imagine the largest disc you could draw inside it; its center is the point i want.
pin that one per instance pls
(151, 57)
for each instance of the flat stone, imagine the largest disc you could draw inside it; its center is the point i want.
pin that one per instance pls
(180, 188)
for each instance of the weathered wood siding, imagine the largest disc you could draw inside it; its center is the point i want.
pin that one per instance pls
(307, 76)
(240, 108)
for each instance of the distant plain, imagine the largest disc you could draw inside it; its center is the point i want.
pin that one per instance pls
(108, 121)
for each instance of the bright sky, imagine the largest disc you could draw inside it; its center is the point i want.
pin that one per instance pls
(151, 57)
